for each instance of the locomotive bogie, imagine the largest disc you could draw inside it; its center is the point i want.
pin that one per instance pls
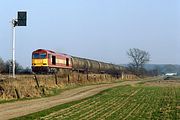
(40, 69)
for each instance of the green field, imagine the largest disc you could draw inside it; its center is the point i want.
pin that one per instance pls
(125, 102)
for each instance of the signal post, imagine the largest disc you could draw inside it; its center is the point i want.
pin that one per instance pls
(20, 21)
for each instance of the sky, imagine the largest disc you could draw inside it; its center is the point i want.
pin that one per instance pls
(103, 30)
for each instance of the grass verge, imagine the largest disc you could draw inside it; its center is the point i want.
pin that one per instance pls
(56, 91)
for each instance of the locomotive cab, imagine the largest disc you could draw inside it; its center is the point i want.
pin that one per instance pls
(39, 61)
(39, 58)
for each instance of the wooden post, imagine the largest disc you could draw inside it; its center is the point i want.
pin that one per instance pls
(78, 75)
(17, 93)
(43, 91)
(87, 75)
(36, 80)
(68, 78)
(55, 78)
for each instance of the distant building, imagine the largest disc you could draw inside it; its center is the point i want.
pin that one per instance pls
(171, 74)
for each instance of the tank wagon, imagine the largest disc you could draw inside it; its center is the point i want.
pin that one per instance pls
(47, 61)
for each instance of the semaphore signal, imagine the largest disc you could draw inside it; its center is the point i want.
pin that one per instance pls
(20, 21)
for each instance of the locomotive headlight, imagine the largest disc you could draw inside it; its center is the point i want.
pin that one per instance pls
(45, 62)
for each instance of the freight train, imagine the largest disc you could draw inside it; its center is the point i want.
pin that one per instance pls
(47, 61)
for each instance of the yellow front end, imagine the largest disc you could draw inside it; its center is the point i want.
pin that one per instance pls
(39, 62)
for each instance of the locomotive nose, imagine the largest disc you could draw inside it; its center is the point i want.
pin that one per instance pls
(39, 62)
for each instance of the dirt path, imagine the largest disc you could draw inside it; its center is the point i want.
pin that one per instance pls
(20, 108)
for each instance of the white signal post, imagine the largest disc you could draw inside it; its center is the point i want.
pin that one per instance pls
(14, 22)
(20, 21)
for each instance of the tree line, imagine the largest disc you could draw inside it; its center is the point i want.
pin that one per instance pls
(6, 67)
(138, 65)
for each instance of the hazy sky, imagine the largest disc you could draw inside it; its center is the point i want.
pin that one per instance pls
(97, 29)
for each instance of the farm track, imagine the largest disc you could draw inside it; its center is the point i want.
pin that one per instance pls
(21, 108)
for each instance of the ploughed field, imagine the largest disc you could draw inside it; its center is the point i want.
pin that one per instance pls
(151, 100)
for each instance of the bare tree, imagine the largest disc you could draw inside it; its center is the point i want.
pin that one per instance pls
(138, 58)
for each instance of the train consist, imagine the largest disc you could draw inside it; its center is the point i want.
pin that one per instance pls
(47, 61)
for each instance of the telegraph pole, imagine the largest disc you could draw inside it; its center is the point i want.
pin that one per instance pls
(21, 21)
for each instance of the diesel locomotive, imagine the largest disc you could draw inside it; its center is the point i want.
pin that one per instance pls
(47, 61)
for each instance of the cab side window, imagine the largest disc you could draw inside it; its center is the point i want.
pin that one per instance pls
(67, 61)
(54, 60)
